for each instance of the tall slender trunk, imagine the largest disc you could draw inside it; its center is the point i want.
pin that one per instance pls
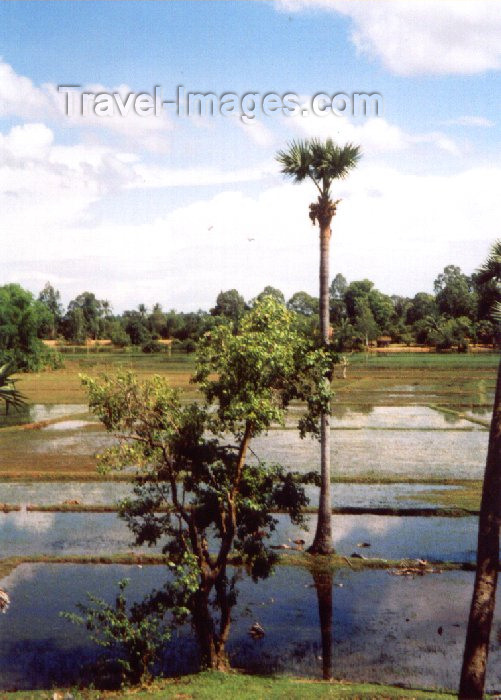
(323, 584)
(484, 592)
(322, 543)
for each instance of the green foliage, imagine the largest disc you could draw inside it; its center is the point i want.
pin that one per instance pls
(247, 375)
(21, 318)
(229, 304)
(320, 161)
(8, 392)
(454, 293)
(132, 636)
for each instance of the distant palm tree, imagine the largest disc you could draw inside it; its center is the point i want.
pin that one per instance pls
(8, 392)
(322, 163)
(484, 592)
(491, 272)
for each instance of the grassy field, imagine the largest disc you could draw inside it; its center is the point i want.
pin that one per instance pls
(229, 686)
(452, 383)
(449, 379)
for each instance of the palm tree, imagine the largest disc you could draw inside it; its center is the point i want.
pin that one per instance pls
(322, 163)
(484, 591)
(8, 392)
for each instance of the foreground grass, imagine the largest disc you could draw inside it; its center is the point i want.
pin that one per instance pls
(229, 686)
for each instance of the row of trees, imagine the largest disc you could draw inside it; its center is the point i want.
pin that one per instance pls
(458, 312)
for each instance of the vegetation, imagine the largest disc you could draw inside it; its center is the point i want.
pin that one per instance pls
(247, 374)
(133, 637)
(484, 592)
(322, 163)
(228, 686)
(8, 392)
(460, 312)
(21, 320)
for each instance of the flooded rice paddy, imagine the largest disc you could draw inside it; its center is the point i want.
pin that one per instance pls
(384, 628)
(389, 441)
(111, 492)
(390, 537)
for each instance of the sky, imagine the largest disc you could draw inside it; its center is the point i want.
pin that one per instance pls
(173, 208)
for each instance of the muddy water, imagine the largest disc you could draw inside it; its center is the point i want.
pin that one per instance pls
(385, 628)
(109, 493)
(387, 440)
(390, 452)
(35, 413)
(436, 539)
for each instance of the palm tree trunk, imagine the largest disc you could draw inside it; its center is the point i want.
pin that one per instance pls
(323, 584)
(484, 591)
(322, 543)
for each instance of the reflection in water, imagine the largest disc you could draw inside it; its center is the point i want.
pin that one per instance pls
(323, 584)
(386, 627)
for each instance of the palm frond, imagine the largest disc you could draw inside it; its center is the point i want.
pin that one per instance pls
(322, 161)
(8, 392)
(295, 160)
(491, 269)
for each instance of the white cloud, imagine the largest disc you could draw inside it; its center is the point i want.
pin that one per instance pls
(397, 229)
(376, 135)
(468, 120)
(421, 36)
(19, 97)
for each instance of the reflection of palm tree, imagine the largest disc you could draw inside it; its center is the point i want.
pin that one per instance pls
(8, 392)
(484, 592)
(322, 163)
(323, 584)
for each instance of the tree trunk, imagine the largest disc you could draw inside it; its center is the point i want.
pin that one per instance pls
(323, 585)
(484, 591)
(212, 654)
(322, 543)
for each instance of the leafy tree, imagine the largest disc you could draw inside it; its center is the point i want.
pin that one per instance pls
(157, 323)
(421, 306)
(484, 591)
(136, 326)
(454, 293)
(183, 455)
(21, 317)
(365, 324)
(337, 290)
(84, 318)
(322, 163)
(303, 303)
(382, 309)
(356, 291)
(229, 304)
(269, 291)
(51, 300)
(118, 335)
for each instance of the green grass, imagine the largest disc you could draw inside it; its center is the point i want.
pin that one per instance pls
(466, 497)
(237, 686)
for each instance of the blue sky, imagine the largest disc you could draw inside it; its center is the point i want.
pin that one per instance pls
(174, 209)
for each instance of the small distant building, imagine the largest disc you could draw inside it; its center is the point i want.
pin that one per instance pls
(383, 341)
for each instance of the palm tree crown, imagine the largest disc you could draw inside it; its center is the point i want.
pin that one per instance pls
(491, 272)
(320, 161)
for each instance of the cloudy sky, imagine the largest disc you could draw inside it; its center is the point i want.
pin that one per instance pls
(174, 208)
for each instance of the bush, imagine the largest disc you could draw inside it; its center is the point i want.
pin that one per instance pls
(151, 346)
(133, 637)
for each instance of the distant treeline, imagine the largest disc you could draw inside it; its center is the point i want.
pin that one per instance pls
(456, 314)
